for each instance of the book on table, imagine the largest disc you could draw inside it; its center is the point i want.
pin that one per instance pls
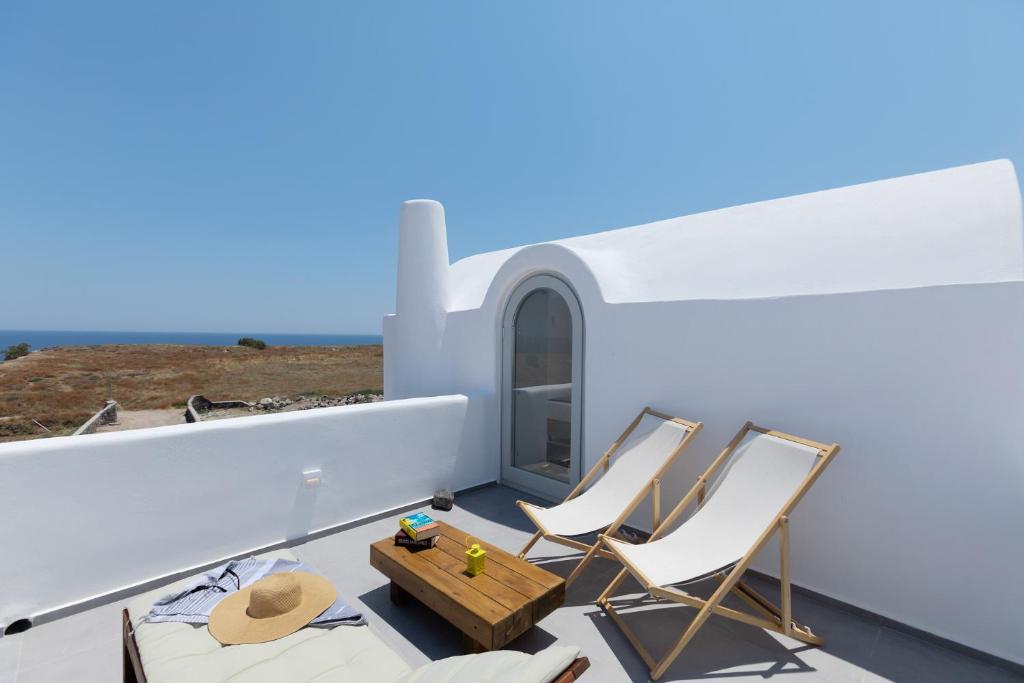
(403, 539)
(419, 526)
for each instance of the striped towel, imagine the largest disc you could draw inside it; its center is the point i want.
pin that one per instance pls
(194, 603)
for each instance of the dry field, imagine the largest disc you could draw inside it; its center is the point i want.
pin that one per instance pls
(63, 387)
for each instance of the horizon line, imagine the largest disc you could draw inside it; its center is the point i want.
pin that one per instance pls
(230, 332)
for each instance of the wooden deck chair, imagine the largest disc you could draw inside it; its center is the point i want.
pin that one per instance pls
(632, 468)
(766, 475)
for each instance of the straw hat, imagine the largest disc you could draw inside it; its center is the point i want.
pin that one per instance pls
(271, 608)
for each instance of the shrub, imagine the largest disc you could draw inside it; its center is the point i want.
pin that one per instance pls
(16, 351)
(252, 343)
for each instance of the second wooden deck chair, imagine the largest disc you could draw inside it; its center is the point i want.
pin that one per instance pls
(766, 475)
(631, 469)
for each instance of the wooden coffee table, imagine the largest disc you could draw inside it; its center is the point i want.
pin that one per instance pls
(490, 609)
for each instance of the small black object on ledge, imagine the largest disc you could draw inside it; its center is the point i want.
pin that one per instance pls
(18, 626)
(443, 500)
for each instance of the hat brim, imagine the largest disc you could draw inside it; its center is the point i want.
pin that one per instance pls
(231, 625)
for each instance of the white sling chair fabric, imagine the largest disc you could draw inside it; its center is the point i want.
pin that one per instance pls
(633, 465)
(756, 482)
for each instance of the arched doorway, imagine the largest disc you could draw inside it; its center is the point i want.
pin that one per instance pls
(542, 376)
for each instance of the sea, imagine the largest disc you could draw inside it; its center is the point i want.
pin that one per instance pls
(43, 339)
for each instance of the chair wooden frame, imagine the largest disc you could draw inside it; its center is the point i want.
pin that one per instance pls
(653, 487)
(771, 617)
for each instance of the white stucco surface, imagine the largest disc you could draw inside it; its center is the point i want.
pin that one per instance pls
(922, 388)
(959, 225)
(888, 317)
(91, 514)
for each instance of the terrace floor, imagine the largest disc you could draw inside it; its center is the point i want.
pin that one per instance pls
(86, 646)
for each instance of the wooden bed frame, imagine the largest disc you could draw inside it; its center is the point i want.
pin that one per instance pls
(134, 673)
(132, 662)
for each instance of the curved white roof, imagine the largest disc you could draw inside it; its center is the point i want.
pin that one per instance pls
(955, 226)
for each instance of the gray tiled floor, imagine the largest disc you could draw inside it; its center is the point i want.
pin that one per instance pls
(86, 647)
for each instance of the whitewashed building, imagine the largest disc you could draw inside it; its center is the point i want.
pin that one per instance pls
(886, 317)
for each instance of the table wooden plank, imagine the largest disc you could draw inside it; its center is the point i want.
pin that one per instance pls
(428, 572)
(520, 607)
(529, 589)
(485, 583)
(506, 559)
(549, 602)
(491, 608)
(467, 609)
(546, 589)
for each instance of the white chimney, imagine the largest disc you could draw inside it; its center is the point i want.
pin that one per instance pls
(412, 338)
(422, 260)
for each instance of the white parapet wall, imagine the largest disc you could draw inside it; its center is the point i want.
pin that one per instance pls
(87, 516)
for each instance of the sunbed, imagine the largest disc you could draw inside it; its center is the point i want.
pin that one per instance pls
(630, 470)
(184, 653)
(765, 475)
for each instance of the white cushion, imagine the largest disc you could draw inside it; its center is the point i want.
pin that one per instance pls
(175, 652)
(185, 652)
(502, 666)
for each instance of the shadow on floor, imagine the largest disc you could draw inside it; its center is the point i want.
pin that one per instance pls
(856, 645)
(716, 651)
(724, 648)
(497, 504)
(432, 635)
(425, 630)
(588, 585)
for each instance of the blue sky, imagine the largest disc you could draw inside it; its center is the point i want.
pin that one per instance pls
(215, 166)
